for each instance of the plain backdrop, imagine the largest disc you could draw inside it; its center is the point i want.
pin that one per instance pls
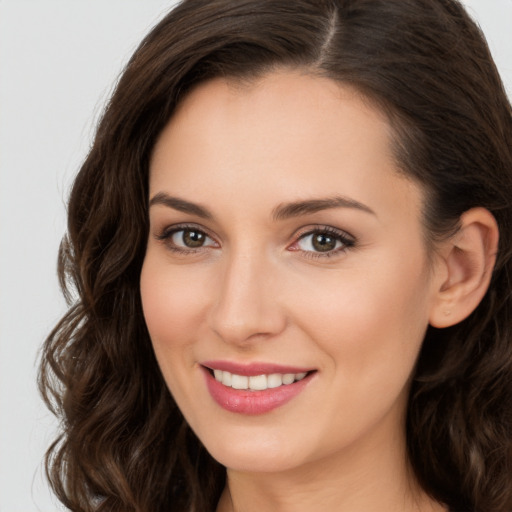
(58, 62)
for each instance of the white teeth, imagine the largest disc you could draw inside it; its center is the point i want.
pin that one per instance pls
(275, 380)
(257, 382)
(288, 378)
(226, 378)
(239, 381)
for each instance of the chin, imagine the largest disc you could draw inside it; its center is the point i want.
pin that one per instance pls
(265, 455)
(255, 462)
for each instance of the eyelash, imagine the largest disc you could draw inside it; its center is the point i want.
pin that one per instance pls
(168, 233)
(346, 240)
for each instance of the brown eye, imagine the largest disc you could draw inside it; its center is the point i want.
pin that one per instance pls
(320, 242)
(193, 238)
(190, 239)
(323, 242)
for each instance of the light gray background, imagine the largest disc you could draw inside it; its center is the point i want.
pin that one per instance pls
(58, 62)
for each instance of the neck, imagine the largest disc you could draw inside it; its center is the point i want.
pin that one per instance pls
(241, 495)
(374, 475)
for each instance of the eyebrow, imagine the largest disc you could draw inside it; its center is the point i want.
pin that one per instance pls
(180, 205)
(281, 212)
(298, 208)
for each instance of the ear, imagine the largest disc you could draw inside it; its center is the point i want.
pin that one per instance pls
(466, 263)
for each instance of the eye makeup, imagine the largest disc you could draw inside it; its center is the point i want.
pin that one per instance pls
(322, 242)
(186, 239)
(317, 241)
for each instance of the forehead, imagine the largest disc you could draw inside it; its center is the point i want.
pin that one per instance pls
(287, 134)
(294, 101)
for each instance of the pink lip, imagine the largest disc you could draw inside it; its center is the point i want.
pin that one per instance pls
(253, 369)
(253, 402)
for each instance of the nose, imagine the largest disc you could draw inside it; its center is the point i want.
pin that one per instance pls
(247, 307)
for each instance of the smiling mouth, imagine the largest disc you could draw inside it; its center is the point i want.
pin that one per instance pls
(256, 382)
(255, 388)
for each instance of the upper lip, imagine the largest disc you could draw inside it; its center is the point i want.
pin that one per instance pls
(254, 368)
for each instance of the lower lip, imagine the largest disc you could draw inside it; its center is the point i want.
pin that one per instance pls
(253, 402)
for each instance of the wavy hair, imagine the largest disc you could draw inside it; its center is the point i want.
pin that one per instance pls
(124, 444)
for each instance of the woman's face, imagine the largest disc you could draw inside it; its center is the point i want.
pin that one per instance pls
(283, 241)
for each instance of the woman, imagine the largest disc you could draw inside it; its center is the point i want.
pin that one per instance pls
(291, 247)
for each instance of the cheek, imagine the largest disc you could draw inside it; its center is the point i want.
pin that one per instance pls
(371, 323)
(172, 307)
(370, 328)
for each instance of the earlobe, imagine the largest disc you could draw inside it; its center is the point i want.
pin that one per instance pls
(467, 262)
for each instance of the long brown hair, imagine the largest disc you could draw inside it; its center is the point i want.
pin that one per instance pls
(125, 445)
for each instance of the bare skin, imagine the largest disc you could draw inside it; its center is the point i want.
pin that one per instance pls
(256, 288)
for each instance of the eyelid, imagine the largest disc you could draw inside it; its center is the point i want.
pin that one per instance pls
(323, 228)
(166, 234)
(173, 228)
(347, 240)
